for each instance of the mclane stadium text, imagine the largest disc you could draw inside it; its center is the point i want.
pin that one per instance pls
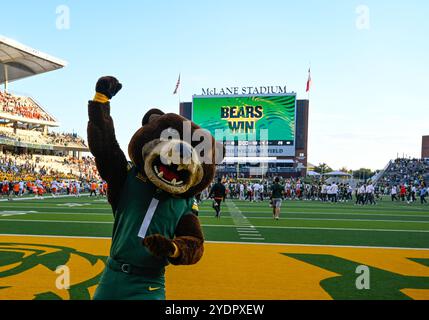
(244, 90)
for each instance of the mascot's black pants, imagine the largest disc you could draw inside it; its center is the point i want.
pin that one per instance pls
(119, 283)
(216, 206)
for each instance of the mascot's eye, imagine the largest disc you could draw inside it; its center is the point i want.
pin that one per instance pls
(171, 132)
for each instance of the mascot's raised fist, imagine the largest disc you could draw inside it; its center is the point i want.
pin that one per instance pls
(109, 86)
(159, 245)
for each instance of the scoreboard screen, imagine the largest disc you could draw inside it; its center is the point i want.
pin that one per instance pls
(249, 125)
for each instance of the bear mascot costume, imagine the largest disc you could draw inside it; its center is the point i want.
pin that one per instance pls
(152, 197)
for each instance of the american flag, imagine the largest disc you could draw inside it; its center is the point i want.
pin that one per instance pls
(308, 81)
(177, 86)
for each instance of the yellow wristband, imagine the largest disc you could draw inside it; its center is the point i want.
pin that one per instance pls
(101, 98)
(176, 253)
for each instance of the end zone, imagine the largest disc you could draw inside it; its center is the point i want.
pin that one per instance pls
(235, 271)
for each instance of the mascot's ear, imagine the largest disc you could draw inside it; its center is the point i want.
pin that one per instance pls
(151, 115)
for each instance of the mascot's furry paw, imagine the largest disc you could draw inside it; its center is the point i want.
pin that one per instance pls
(109, 86)
(159, 245)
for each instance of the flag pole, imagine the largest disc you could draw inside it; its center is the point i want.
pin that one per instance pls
(177, 89)
(180, 88)
(178, 85)
(309, 77)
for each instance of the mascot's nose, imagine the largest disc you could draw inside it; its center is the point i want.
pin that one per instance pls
(184, 150)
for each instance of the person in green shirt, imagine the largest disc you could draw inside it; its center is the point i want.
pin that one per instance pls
(276, 198)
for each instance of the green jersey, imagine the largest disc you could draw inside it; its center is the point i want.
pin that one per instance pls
(135, 200)
(277, 191)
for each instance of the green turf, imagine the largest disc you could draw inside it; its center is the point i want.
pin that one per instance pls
(303, 222)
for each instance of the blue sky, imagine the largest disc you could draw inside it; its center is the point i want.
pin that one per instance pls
(369, 95)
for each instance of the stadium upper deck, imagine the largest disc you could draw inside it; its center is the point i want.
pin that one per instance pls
(24, 124)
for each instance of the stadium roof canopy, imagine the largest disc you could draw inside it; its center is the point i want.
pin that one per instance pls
(313, 174)
(337, 174)
(18, 61)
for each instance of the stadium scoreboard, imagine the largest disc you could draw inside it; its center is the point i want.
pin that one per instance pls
(249, 125)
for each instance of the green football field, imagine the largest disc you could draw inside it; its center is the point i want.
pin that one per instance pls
(302, 222)
(313, 252)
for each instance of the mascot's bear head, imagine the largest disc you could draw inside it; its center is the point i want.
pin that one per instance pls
(175, 154)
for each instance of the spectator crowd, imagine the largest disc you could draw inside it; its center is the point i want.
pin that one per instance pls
(22, 175)
(22, 107)
(37, 137)
(403, 181)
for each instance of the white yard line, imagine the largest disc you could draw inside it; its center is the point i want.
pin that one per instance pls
(64, 213)
(226, 242)
(51, 236)
(57, 207)
(250, 212)
(225, 226)
(57, 221)
(317, 228)
(242, 223)
(13, 199)
(363, 220)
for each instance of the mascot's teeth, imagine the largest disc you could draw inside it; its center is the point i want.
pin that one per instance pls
(179, 183)
(181, 167)
(173, 182)
(161, 174)
(156, 170)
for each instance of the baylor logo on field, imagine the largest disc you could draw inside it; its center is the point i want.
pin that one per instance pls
(31, 271)
(348, 284)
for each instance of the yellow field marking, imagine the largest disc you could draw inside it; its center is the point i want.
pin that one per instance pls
(92, 290)
(241, 271)
(77, 264)
(25, 253)
(227, 270)
(8, 267)
(393, 260)
(34, 281)
(40, 279)
(94, 246)
(417, 294)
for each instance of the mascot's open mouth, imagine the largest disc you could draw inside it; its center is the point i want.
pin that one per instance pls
(173, 174)
(172, 166)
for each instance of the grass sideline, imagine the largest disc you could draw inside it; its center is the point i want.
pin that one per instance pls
(304, 222)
